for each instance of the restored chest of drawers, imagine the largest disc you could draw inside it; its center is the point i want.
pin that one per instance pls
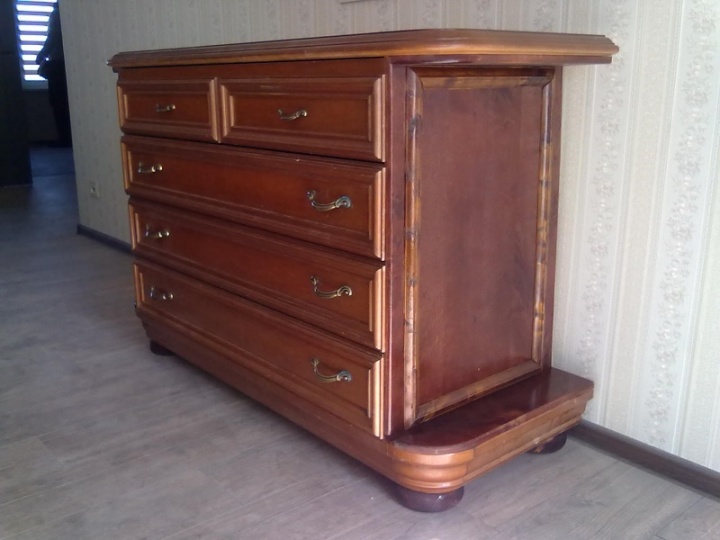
(360, 233)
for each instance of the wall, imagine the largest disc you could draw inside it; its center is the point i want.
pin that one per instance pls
(637, 308)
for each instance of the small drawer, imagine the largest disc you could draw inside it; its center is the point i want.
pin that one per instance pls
(317, 285)
(335, 203)
(340, 116)
(179, 109)
(332, 374)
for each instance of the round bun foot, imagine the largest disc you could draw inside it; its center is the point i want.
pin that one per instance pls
(551, 445)
(158, 349)
(428, 502)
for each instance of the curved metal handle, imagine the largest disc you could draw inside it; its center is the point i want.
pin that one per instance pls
(340, 202)
(341, 376)
(300, 113)
(152, 169)
(158, 294)
(344, 290)
(159, 108)
(150, 233)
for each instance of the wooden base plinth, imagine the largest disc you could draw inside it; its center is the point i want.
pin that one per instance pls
(452, 449)
(435, 459)
(428, 502)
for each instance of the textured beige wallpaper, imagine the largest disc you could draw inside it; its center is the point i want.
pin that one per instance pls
(638, 299)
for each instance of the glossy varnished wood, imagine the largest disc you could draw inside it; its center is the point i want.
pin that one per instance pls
(184, 109)
(436, 456)
(272, 346)
(482, 419)
(336, 116)
(474, 246)
(447, 141)
(263, 189)
(280, 275)
(508, 47)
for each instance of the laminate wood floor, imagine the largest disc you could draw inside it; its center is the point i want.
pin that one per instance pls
(102, 440)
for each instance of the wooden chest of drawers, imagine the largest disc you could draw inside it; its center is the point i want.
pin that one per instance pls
(360, 232)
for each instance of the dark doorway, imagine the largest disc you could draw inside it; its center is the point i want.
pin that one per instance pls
(14, 154)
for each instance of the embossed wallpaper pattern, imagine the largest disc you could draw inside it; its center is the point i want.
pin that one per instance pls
(638, 299)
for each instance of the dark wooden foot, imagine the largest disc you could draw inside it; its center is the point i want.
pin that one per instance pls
(428, 502)
(158, 349)
(551, 445)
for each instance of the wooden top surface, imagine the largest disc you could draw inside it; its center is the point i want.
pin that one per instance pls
(555, 49)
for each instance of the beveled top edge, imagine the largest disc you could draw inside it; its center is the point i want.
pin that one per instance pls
(403, 43)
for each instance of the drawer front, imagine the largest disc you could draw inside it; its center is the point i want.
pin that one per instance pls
(180, 109)
(316, 285)
(335, 203)
(330, 116)
(336, 376)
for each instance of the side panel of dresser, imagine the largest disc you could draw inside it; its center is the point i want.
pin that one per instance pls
(480, 212)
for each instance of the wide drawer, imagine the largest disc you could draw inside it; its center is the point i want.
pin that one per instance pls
(324, 287)
(331, 202)
(332, 116)
(337, 376)
(180, 109)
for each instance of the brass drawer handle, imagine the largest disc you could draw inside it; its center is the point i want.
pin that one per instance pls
(158, 294)
(300, 113)
(341, 376)
(150, 233)
(152, 169)
(344, 290)
(164, 108)
(340, 202)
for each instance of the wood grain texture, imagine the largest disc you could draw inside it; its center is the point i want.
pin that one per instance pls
(476, 230)
(337, 117)
(281, 276)
(472, 241)
(533, 47)
(265, 190)
(179, 108)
